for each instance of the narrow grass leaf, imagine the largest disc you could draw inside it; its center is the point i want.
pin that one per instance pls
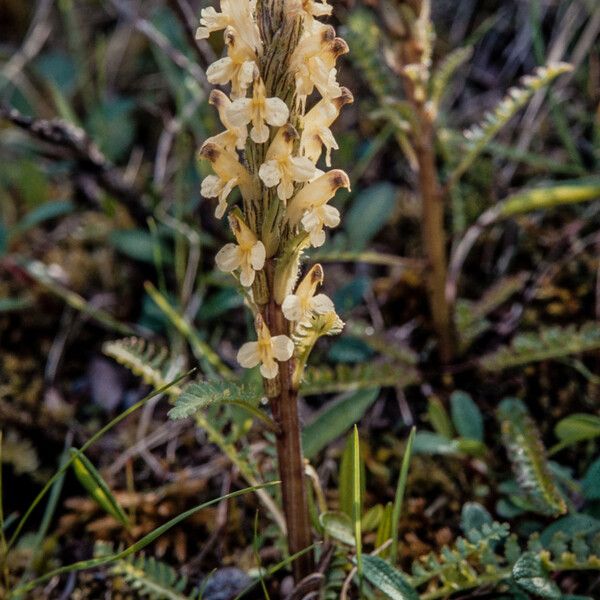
(384, 531)
(139, 545)
(97, 488)
(93, 439)
(357, 501)
(400, 490)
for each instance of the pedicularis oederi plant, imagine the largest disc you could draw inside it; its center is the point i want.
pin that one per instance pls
(284, 96)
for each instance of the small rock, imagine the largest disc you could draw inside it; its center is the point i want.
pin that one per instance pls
(106, 383)
(225, 584)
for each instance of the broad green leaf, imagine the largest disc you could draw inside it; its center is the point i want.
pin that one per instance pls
(336, 419)
(29, 178)
(96, 487)
(577, 427)
(139, 245)
(339, 526)
(220, 302)
(349, 349)
(3, 237)
(473, 517)
(59, 68)
(44, 212)
(427, 442)
(439, 418)
(466, 416)
(351, 295)
(112, 126)
(529, 573)
(369, 212)
(571, 525)
(388, 580)
(15, 304)
(591, 481)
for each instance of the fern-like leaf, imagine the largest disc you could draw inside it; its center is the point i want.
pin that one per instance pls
(491, 557)
(307, 334)
(201, 394)
(479, 136)
(365, 38)
(456, 566)
(445, 72)
(145, 360)
(345, 378)
(470, 316)
(527, 455)
(150, 578)
(549, 343)
(154, 366)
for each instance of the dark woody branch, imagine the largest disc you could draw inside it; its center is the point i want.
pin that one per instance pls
(90, 162)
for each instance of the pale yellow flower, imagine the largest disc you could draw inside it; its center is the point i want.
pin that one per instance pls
(301, 304)
(234, 137)
(248, 254)
(258, 110)
(309, 9)
(238, 14)
(228, 173)
(313, 63)
(265, 351)
(316, 123)
(280, 168)
(309, 206)
(237, 67)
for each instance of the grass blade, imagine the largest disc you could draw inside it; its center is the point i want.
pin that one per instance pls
(139, 545)
(83, 448)
(202, 351)
(399, 499)
(97, 488)
(357, 504)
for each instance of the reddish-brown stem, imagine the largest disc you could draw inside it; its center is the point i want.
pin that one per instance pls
(433, 234)
(284, 405)
(433, 231)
